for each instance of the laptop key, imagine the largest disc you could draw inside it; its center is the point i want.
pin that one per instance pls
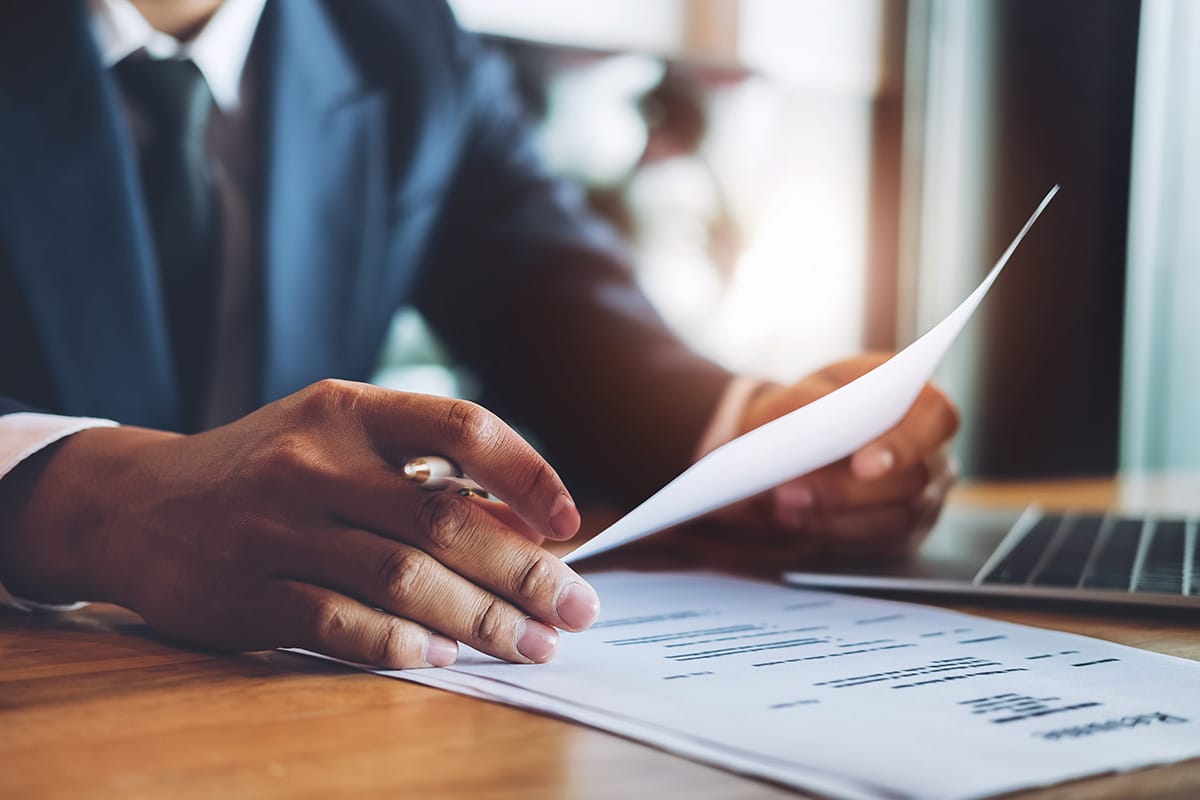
(1016, 567)
(1162, 568)
(1113, 568)
(1065, 565)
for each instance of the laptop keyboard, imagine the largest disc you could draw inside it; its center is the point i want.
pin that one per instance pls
(1106, 553)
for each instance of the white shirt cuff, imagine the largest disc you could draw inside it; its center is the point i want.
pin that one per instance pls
(21, 435)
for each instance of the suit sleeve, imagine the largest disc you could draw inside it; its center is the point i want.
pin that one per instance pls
(537, 297)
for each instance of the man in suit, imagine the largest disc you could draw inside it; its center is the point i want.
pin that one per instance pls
(207, 210)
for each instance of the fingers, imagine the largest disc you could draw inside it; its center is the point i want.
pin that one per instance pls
(472, 543)
(411, 583)
(837, 487)
(929, 424)
(297, 614)
(401, 426)
(507, 517)
(855, 518)
(461, 570)
(842, 372)
(775, 401)
(472, 539)
(374, 501)
(506, 465)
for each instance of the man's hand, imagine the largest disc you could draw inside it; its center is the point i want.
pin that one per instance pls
(294, 527)
(884, 498)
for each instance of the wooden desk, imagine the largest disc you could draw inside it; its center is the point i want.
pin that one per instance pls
(93, 705)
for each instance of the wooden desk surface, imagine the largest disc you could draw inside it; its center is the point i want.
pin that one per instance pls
(92, 704)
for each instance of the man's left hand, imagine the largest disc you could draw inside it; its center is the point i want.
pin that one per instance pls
(883, 499)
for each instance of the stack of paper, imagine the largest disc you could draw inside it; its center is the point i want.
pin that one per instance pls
(847, 696)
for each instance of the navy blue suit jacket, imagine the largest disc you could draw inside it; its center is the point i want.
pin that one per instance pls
(397, 170)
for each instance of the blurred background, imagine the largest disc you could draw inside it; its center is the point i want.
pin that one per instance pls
(802, 180)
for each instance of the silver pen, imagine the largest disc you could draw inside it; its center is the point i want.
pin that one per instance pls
(437, 474)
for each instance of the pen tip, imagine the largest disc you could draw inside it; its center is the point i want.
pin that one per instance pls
(416, 470)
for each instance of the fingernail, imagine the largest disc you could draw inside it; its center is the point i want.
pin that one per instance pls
(536, 641)
(577, 605)
(564, 517)
(794, 497)
(440, 651)
(874, 462)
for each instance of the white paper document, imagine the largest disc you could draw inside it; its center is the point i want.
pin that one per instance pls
(808, 438)
(849, 696)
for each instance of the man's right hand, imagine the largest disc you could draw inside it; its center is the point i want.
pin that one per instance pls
(293, 527)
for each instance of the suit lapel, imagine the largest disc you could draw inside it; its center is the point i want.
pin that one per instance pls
(72, 221)
(325, 210)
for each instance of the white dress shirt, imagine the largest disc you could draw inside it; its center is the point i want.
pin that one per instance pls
(222, 51)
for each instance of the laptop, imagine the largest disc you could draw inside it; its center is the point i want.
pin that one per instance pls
(1109, 558)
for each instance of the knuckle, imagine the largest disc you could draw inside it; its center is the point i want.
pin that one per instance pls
(443, 518)
(403, 573)
(325, 618)
(395, 646)
(490, 624)
(536, 480)
(469, 424)
(328, 399)
(537, 579)
(294, 455)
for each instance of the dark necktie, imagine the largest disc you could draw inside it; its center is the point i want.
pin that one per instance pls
(182, 205)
